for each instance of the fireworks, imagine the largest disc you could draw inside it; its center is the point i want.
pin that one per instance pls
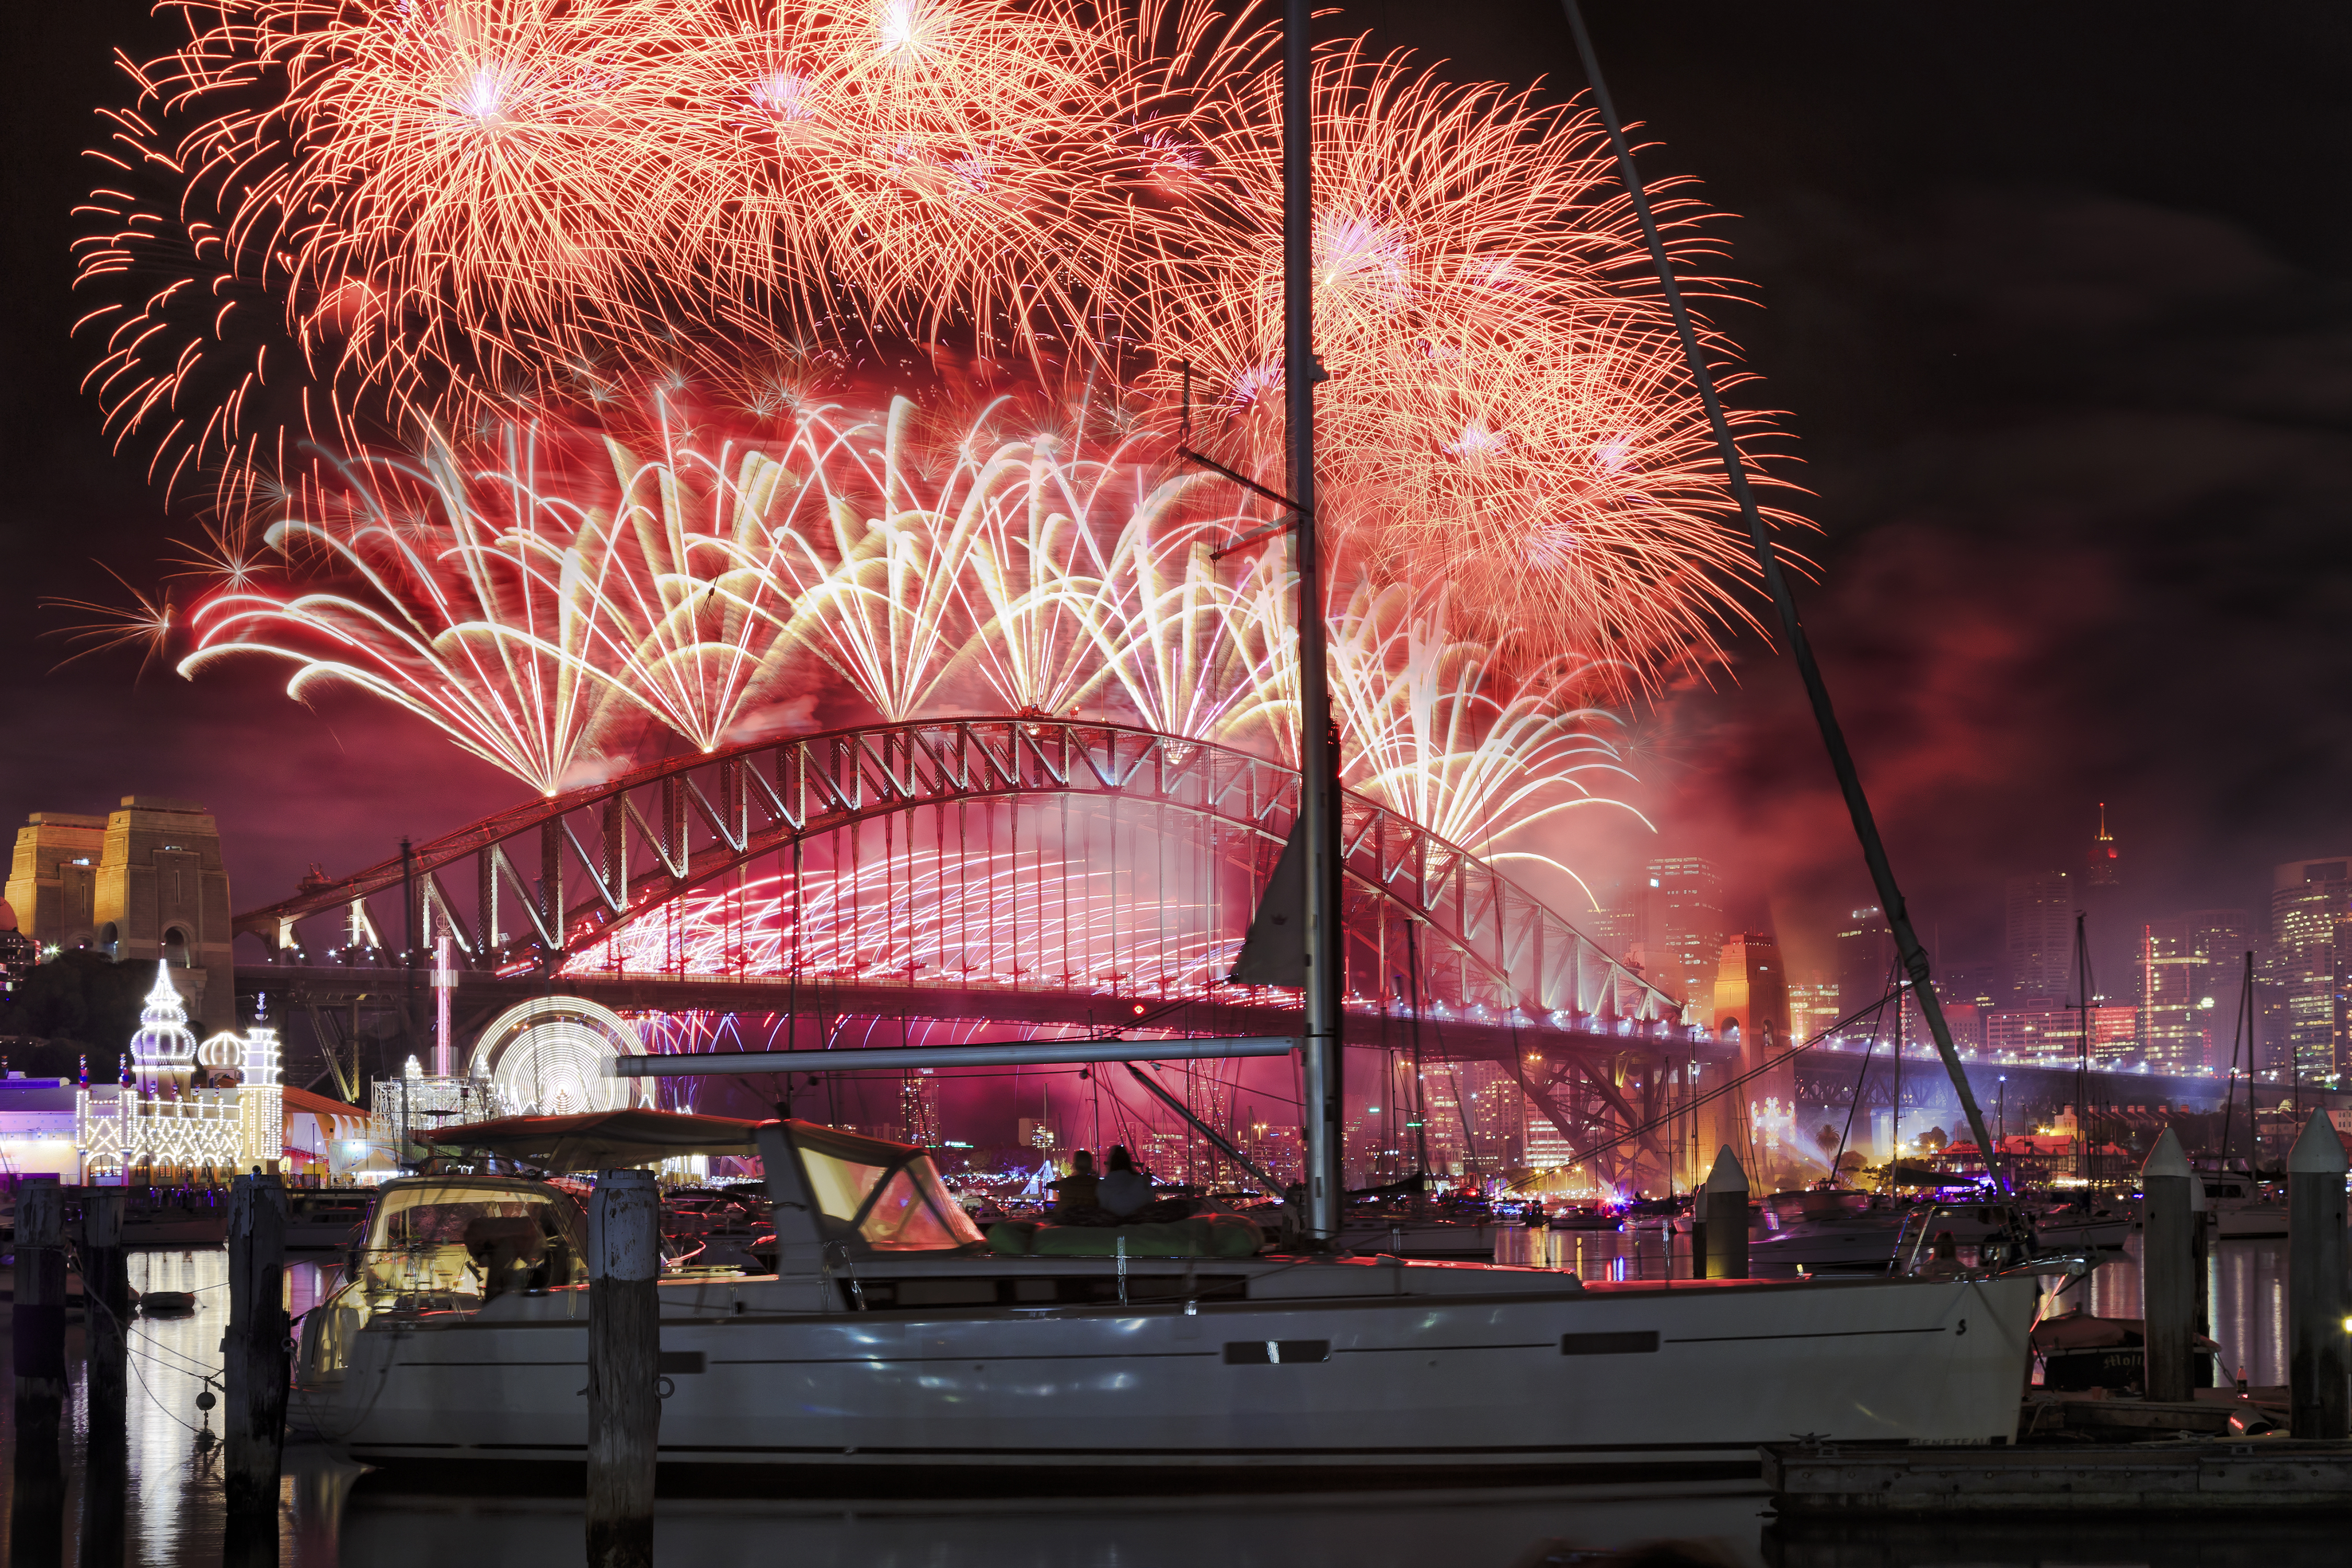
(578, 308)
(355, 223)
(1506, 409)
(538, 595)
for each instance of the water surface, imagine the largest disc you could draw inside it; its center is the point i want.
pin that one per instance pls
(332, 1515)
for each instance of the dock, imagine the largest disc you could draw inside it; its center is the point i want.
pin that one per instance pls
(2174, 1476)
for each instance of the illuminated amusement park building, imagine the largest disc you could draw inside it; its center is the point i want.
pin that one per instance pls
(550, 1056)
(184, 1110)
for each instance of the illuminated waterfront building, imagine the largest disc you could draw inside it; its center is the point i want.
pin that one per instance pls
(2052, 1036)
(1677, 929)
(2188, 988)
(191, 1109)
(1812, 1006)
(2300, 963)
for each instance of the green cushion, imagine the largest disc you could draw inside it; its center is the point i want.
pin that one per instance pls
(1011, 1236)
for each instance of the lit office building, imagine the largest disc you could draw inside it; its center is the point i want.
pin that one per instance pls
(2299, 966)
(2189, 982)
(2040, 926)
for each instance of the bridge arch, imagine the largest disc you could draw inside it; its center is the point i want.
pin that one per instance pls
(575, 875)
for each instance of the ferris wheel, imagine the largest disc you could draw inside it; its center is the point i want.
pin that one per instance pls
(552, 1056)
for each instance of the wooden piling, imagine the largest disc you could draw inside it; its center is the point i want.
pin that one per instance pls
(1727, 1218)
(38, 1322)
(624, 1367)
(106, 1297)
(257, 1366)
(2167, 1269)
(36, 1503)
(2315, 1282)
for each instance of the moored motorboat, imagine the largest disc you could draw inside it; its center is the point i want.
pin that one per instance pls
(890, 1335)
(318, 1217)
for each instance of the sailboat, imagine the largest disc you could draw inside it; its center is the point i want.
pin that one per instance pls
(892, 1334)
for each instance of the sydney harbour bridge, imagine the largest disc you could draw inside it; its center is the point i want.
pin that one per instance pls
(1038, 874)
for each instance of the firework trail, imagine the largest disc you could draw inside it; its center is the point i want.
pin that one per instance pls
(535, 595)
(340, 220)
(1506, 407)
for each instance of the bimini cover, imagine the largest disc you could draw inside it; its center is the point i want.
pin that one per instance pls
(868, 1194)
(600, 1140)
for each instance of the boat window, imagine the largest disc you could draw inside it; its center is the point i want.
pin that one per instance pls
(913, 1212)
(839, 1185)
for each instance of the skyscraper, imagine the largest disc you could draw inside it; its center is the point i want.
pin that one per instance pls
(2299, 963)
(2112, 936)
(2041, 933)
(2189, 988)
(1681, 928)
(1865, 957)
(2102, 866)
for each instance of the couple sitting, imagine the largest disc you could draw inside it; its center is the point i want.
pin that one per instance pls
(1120, 1195)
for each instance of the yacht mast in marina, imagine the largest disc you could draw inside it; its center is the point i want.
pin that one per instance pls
(1319, 773)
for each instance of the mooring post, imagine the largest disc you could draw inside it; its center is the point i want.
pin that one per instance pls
(39, 1324)
(1727, 1218)
(106, 1300)
(2167, 1271)
(255, 1377)
(624, 1367)
(2315, 1282)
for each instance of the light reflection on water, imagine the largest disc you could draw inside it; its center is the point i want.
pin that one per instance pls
(334, 1515)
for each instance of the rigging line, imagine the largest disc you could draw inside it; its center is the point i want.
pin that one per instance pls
(1865, 824)
(1862, 1077)
(1730, 1084)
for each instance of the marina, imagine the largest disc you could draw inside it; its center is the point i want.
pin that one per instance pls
(334, 1513)
(1098, 784)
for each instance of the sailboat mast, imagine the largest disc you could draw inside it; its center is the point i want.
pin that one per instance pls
(1319, 817)
(1908, 946)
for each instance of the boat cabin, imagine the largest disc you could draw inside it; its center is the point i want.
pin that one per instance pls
(839, 1195)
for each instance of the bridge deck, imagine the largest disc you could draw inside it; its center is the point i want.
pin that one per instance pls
(1442, 1036)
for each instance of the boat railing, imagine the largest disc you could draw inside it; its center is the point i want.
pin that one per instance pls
(1920, 1254)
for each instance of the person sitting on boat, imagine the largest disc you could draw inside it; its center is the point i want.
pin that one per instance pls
(1076, 1191)
(1124, 1190)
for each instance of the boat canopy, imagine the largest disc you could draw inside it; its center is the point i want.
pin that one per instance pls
(865, 1196)
(599, 1141)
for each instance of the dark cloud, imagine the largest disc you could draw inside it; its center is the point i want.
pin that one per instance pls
(2096, 552)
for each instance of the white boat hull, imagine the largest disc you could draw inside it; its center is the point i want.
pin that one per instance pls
(1498, 1371)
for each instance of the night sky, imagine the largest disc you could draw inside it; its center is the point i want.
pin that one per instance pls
(2055, 300)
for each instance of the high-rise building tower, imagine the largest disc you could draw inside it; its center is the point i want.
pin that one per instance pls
(2112, 935)
(1865, 957)
(2101, 865)
(2040, 931)
(2188, 979)
(1681, 929)
(2299, 965)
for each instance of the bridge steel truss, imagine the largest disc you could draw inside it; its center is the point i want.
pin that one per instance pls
(534, 890)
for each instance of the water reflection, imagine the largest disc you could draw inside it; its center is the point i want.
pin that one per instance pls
(169, 1509)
